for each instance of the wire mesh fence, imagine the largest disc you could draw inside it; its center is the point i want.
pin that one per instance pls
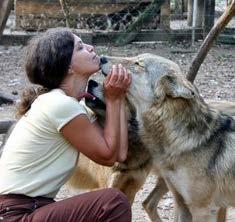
(91, 15)
(174, 16)
(37, 15)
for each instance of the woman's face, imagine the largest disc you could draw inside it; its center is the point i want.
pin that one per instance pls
(84, 59)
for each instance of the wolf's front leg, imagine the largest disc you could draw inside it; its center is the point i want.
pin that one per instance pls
(182, 213)
(151, 202)
(221, 217)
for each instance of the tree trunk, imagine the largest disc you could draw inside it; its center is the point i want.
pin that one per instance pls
(132, 30)
(5, 9)
(207, 43)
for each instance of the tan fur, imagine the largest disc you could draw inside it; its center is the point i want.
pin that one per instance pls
(162, 98)
(90, 175)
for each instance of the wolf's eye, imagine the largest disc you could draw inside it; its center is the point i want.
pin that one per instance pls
(140, 63)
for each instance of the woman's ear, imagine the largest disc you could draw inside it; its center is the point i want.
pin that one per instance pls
(175, 87)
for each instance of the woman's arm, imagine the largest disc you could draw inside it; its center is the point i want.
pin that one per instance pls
(112, 127)
(123, 147)
(103, 146)
(100, 145)
(124, 81)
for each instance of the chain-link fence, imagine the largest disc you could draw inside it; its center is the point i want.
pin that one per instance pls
(90, 15)
(34, 15)
(105, 15)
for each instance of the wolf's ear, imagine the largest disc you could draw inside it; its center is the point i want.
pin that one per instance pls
(175, 87)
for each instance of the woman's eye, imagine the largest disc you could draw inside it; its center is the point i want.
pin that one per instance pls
(79, 48)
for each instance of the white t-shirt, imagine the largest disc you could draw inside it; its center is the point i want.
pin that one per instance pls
(37, 160)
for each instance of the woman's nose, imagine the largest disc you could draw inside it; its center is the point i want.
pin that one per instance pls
(90, 48)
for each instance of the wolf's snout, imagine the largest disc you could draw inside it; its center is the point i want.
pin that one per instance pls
(92, 84)
(103, 60)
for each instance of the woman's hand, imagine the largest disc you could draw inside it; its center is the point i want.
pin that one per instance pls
(117, 83)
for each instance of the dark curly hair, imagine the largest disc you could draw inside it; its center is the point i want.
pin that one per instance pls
(48, 58)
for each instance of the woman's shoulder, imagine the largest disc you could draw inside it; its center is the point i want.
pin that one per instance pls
(55, 96)
(57, 101)
(54, 93)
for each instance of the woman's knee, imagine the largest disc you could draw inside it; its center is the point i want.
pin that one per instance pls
(118, 204)
(113, 192)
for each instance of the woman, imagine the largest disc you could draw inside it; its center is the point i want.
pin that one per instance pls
(42, 150)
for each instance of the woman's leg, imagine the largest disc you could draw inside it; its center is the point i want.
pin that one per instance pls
(106, 205)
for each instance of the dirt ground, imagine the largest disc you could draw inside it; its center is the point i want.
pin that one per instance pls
(215, 80)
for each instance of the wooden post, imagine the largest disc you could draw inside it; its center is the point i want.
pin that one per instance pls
(178, 11)
(200, 12)
(209, 16)
(165, 15)
(195, 16)
(5, 9)
(185, 5)
(190, 13)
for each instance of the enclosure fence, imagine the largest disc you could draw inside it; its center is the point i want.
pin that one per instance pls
(150, 19)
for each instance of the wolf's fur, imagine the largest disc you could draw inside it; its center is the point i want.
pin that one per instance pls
(128, 176)
(190, 144)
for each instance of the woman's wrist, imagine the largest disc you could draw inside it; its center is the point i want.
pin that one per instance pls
(116, 101)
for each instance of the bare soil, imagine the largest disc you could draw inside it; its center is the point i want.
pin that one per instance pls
(215, 80)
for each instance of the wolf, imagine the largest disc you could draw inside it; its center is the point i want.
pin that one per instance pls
(192, 144)
(188, 144)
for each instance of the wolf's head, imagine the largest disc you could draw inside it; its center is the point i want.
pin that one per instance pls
(154, 79)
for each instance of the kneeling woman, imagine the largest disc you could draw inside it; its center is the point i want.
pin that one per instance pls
(42, 150)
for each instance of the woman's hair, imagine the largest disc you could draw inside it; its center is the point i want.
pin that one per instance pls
(48, 58)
